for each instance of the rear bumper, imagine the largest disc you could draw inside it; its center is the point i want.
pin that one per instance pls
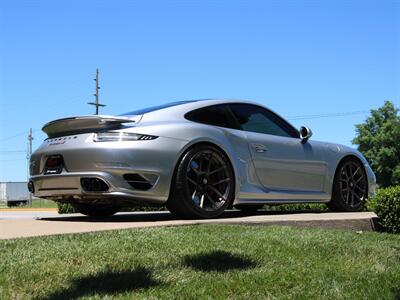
(110, 162)
(67, 187)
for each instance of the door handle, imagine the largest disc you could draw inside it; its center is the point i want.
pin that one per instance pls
(260, 148)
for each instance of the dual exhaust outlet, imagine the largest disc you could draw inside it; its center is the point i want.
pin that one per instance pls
(88, 184)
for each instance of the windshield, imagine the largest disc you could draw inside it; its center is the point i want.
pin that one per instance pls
(154, 108)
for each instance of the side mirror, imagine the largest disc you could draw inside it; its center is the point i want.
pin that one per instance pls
(305, 134)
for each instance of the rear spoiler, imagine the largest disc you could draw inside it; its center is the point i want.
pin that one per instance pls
(83, 124)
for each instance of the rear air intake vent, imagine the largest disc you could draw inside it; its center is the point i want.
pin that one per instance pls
(91, 184)
(138, 182)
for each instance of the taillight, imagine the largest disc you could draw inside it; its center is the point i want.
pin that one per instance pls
(54, 165)
(54, 161)
(118, 136)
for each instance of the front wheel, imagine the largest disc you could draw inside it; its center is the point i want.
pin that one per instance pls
(350, 187)
(204, 184)
(95, 210)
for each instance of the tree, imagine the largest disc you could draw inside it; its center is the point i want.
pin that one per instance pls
(378, 139)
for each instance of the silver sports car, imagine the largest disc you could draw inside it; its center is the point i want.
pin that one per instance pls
(196, 157)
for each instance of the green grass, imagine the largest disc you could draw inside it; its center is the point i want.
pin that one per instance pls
(43, 203)
(208, 262)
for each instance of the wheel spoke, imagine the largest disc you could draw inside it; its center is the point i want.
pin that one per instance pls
(348, 171)
(209, 164)
(211, 199)
(202, 201)
(354, 174)
(216, 170)
(360, 188)
(357, 196)
(221, 181)
(216, 191)
(344, 174)
(359, 179)
(192, 181)
(201, 160)
(348, 196)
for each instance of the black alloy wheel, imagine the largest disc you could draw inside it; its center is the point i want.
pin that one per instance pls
(350, 188)
(204, 183)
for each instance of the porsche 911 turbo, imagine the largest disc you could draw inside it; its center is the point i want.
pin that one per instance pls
(198, 158)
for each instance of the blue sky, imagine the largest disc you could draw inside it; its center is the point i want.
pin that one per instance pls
(296, 57)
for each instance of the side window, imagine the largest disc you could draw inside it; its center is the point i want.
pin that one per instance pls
(217, 115)
(257, 119)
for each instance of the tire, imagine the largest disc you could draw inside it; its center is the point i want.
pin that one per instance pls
(350, 187)
(203, 185)
(248, 207)
(95, 210)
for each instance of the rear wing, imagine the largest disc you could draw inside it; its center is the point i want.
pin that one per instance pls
(83, 124)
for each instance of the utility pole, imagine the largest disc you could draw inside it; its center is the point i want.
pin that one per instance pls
(30, 139)
(96, 94)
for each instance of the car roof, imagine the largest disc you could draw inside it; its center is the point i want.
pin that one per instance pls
(177, 111)
(185, 105)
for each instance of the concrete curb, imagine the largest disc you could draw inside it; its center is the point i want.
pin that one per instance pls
(76, 223)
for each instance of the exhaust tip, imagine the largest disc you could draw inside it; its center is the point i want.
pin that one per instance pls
(92, 184)
(31, 187)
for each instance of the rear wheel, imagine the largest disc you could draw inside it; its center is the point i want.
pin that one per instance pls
(203, 184)
(95, 210)
(350, 187)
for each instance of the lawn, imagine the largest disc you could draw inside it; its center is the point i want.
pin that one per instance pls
(208, 261)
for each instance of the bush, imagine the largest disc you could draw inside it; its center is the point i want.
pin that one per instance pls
(386, 204)
(306, 207)
(65, 208)
(144, 208)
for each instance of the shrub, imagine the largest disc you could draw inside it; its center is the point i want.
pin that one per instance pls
(306, 207)
(386, 204)
(144, 208)
(65, 208)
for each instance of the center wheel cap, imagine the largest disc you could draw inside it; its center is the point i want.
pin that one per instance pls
(205, 181)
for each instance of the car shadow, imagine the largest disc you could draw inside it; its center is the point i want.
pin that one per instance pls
(218, 261)
(163, 216)
(106, 283)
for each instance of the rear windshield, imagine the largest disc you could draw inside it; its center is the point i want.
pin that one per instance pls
(154, 108)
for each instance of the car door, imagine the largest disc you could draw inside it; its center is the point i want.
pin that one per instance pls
(281, 161)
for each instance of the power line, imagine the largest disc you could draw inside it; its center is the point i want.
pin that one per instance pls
(329, 115)
(18, 135)
(11, 151)
(9, 160)
(13, 136)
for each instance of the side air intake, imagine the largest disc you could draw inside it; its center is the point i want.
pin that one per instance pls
(138, 181)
